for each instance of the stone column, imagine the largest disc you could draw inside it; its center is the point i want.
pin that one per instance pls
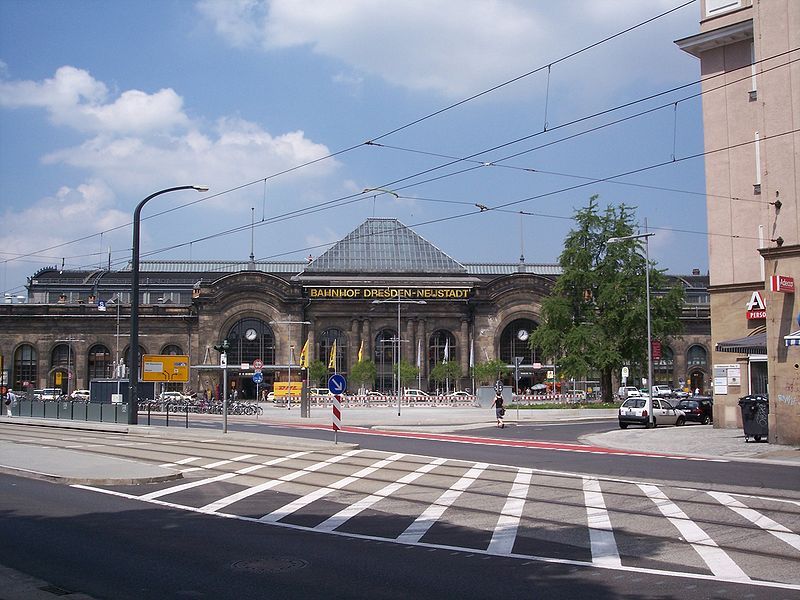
(355, 344)
(463, 346)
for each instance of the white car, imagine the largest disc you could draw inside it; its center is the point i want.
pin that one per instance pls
(173, 397)
(81, 395)
(458, 394)
(415, 394)
(628, 391)
(634, 412)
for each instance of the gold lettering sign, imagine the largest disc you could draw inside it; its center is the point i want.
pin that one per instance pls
(382, 293)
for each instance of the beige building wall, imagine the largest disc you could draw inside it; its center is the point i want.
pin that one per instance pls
(751, 109)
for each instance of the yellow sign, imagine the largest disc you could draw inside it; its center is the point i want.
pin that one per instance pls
(165, 367)
(368, 293)
(281, 388)
(59, 374)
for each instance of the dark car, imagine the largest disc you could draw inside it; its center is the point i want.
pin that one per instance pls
(698, 408)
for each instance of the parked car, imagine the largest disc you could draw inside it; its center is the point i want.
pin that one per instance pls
(628, 391)
(318, 391)
(680, 393)
(48, 394)
(634, 412)
(662, 391)
(697, 408)
(415, 394)
(458, 394)
(80, 395)
(375, 395)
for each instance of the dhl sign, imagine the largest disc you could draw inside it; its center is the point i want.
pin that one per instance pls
(281, 388)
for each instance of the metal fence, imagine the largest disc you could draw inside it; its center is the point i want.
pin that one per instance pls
(73, 410)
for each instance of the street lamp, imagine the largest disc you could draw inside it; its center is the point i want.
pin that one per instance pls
(646, 237)
(289, 337)
(398, 301)
(133, 382)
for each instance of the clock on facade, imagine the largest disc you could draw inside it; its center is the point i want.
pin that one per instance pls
(251, 334)
(522, 335)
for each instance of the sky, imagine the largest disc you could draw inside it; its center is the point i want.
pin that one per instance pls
(271, 104)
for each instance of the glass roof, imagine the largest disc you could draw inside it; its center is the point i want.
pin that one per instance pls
(384, 246)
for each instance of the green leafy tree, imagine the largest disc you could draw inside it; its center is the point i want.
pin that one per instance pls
(318, 373)
(363, 374)
(595, 319)
(408, 373)
(443, 372)
(489, 371)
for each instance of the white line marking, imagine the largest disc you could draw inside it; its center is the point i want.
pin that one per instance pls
(425, 521)
(717, 559)
(223, 502)
(183, 461)
(219, 463)
(755, 517)
(505, 532)
(634, 570)
(278, 514)
(601, 534)
(351, 511)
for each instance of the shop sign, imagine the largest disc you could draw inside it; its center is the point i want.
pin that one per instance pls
(756, 308)
(781, 283)
(377, 293)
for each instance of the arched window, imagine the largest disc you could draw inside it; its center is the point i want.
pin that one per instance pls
(100, 365)
(663, 367)
(385, 349)
(442, 348)
(25, 366)
(514, 342)
(61, 356)
(172, 349)
(62, 363)
(250, 339)
(696, 356)
(127, 355)
(325, 345)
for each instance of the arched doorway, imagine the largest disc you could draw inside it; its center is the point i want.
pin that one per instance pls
(250, 339)
(514, 343)
(385, 348)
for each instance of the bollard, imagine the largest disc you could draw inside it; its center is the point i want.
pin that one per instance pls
(187, 416)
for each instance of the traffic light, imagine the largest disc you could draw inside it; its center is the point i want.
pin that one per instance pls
(223, 347)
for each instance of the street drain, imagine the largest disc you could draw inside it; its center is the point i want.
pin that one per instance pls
(270, 564)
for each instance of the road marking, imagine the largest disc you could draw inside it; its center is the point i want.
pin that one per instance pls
(505, 532)
(292, 507)
(183, 461)
(755, 517)
(601, 533)
(717, 559)
(223, 502)
(351, 511)
(425, 521)
(219, 463)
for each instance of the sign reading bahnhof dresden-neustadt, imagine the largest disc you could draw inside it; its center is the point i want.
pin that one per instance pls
(386, 293)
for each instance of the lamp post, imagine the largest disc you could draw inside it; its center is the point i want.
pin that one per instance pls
(398, 301)
(133, 381)
(646, 237)
(291, 352)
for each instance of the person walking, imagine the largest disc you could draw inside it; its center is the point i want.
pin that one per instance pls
(499, 411)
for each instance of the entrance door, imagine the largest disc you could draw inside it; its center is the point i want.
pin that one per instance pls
(696, 382)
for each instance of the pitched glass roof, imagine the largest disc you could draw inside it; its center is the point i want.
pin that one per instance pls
(384, 246)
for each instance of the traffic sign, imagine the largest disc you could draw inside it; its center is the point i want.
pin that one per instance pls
(498, 387)
(337, 384)
(258, 364)
(258, 377)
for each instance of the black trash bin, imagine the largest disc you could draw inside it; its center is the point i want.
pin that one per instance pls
(755, 417)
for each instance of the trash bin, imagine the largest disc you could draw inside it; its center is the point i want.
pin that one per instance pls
(755, 417)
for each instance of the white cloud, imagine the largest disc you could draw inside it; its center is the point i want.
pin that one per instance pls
(74, 98)
(452, 47)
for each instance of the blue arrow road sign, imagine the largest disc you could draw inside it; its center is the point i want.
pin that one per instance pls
(337, 384)
(258, 377)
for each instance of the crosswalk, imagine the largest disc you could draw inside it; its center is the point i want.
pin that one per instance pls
(497, 510)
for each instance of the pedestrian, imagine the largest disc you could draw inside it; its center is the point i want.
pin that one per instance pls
(499, 411)
(696, 391)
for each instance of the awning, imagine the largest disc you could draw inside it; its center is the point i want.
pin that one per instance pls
(793, 339)
(754, 344)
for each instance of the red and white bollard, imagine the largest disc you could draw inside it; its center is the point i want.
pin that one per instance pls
(337, 416)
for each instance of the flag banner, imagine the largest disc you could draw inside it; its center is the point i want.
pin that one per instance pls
(471, 354)
(332, 357)
(446, 351)
(361, 351)
(419, 354)
(304, 356)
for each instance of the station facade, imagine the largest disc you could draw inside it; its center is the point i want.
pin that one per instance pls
(381, 283)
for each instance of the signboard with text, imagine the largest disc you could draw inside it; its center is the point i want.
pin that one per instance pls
(373, 293)
(756, 308)
(281, 389)
(165, 367)
(781, 283)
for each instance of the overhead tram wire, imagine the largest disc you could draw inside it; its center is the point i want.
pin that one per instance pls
(395, 130)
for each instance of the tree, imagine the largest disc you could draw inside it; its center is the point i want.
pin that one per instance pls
(596, 316)
(363, 374)
(318, 373)
(443, 372)
(490, 371)
(408, 373)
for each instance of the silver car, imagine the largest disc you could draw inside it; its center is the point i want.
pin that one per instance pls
(634, 412)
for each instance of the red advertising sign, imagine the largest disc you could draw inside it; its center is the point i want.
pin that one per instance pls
(656, 352)
(781, 283)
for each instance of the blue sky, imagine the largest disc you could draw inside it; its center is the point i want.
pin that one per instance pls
(103, 103)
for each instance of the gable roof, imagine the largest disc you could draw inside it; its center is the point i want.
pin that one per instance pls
(381, 245)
